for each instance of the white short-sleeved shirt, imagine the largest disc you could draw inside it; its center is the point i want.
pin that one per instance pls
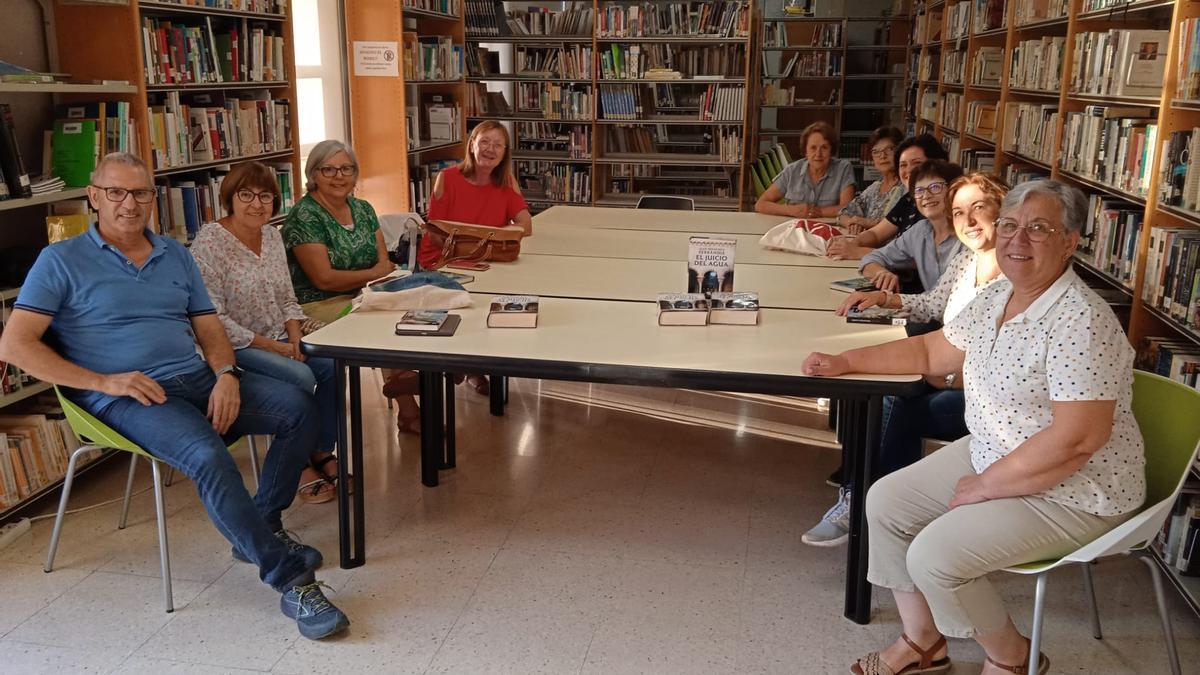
(1067, 346)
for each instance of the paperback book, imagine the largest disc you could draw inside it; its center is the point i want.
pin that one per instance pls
(420, 320)
(682, 309)
(513, 311)
(739, 309)
(710, 265)
(852, 285)
(883, 316)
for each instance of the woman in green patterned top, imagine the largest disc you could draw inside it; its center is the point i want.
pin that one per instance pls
(334, 242)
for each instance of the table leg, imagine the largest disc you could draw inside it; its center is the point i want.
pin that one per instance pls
(358, 501)
(431, 420)
(339, 380)
(498, 395)
(351, 538)
(864, 422)
(449, 457)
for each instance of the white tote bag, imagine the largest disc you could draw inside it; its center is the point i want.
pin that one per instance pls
(799, 235)
(403, 290)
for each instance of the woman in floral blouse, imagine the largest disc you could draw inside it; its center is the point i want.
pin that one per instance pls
(244, 266)
(871, 205)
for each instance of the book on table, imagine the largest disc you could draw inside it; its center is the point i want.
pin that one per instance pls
(682, 309)
(513, 311)
(418, 320)
(739, 309)
(884, 316)
(853, 284)
(710, 264)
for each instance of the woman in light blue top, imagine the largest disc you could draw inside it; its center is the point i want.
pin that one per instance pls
(817, 186)
(929, 245)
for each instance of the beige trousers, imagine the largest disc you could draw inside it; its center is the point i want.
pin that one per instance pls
(918, 544)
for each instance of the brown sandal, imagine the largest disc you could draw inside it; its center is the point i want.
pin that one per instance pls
(402, 383)
(331, 478)
(1023, 669)
(317, 491)
(872, 664)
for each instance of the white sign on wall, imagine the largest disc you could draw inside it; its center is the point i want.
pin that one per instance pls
(376, 59)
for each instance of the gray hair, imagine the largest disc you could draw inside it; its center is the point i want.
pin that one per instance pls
(1071, 202)
(317, 156)
(120, 159)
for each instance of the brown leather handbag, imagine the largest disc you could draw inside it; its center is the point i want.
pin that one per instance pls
(464, 242)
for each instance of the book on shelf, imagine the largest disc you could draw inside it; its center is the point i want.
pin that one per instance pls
(1029, 129)
(958, 21)
(1178, 360)
(988, 15)
(186, 204)
(12, 164)
(255, 6)
(574, 139)
(480, 103)
(988, 66)
(574, 19)
(979, 160)
(191, 51)
(710, 264)
(250, 123)
(775, 34)
(1171, 279)
(884, 316)
(717, 18)
(431, 57)
(1110, 237)
(1037, 64)
(682, 309)
(555, 101)
(1177, 542)
(420, 183)
(450, 7)
(1033, 11)
(981, 119)
(555, 181)
(1120, 62)
(1018, 172)
(1112, 145)
(35, 446)
(738, 309)
(954, 64)
(482, 61)
(949, 109)
(1187, 85)
(513, 311)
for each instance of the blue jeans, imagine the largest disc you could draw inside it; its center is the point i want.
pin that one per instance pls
(311, 375)
(179, 433)
(937, 413)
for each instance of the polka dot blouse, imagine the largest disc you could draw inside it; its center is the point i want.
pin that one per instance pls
(1067, 346)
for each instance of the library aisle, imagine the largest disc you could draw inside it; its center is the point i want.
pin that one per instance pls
(570, 540)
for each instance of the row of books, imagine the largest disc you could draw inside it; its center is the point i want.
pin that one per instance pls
(1029, 129)
(450, 7)
(1110, 237)
(988, 15)
(975, 159)
(34, 450)
(1188, 78)
(958, 21)
(555, 181)
(574, 139)
(712, 18)
(954, 65)
(949, 108)
(420, 182)
(1120, 62)
(1179, 184)
(1033, 11)
(723, 102)
(15, 181)
(431, 57)
(775, 34)
(575, 19)
(573, 62)
(928, 69)
(191, 53)
(212, 127)
(808, 64)
(723, 144)
(555, 101)
(1037, 64)
(85, 132)
(776, 95)
(1178, 543)
(184, 205)
(484, 103)
(981, 119)
(987, 66)
(434, 117)
(1172, 278)
(1111, 145)
(258, 6)
(1176, 360)
(1016, 173)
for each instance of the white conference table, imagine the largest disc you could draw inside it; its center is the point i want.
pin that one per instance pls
(714, 222)
(778, 286)
(660, 245)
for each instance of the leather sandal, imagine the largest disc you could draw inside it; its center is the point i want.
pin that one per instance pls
(872, 664)
(328, 477)
(479, 383)
(1023, 669)
(317, 491)
(402, 383)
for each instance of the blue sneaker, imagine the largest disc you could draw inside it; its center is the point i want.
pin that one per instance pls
(315, 616)
(312, 557)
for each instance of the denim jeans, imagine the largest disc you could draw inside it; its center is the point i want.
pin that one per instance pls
(937, 413)
(179, 433)
(311, 375)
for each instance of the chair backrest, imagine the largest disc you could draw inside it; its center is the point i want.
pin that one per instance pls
(92, 431)
(1168, 414)
(670, 202)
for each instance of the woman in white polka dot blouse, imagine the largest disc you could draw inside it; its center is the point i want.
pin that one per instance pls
(1054, 459)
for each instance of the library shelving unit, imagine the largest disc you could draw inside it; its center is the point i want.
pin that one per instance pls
(383, 109)
(849, 71)
(1141, 185)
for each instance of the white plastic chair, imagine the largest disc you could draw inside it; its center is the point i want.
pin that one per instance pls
(1168, 414)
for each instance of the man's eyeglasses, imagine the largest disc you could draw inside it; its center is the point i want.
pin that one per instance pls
(118, 194)
(1037, 230)
(884, 151)
(344, 170)
(247, 196)
(930, 190)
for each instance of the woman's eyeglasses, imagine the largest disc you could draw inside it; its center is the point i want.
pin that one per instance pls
(118, 194)
(883, 151)
(247, 196)
(344, 170)
(931, 190)
(488, 145)
(1037, 230)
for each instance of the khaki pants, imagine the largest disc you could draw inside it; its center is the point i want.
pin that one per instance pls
(917, 544)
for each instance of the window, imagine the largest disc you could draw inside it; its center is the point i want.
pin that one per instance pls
(319, 87)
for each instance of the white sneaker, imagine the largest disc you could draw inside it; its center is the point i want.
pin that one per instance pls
(834, 528)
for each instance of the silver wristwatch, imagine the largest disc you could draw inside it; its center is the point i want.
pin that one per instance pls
(950, 379)
(232, 369)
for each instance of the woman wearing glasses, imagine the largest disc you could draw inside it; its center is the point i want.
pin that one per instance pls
(930, 244)
(1054, 459)
(871, 205)
(938, 411)
(244, 266)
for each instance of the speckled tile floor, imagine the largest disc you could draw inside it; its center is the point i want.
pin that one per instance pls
(571, 539)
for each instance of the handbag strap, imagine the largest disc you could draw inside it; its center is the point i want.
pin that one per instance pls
(481, 251)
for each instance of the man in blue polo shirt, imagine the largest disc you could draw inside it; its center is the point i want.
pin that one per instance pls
(111, 315)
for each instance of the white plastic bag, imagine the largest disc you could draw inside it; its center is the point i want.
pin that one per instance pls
(810, 237)
(403, 290)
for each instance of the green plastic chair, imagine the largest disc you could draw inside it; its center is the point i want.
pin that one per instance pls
(1168, 414)
(97, 435)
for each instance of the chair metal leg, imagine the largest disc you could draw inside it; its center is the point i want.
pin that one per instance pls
(161, 511)
(384, 379)
(1035, 635)
(254, 469)
(1163, 614)
(62, 505)
(1090, 587)
(133, 458)
(170, 476)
